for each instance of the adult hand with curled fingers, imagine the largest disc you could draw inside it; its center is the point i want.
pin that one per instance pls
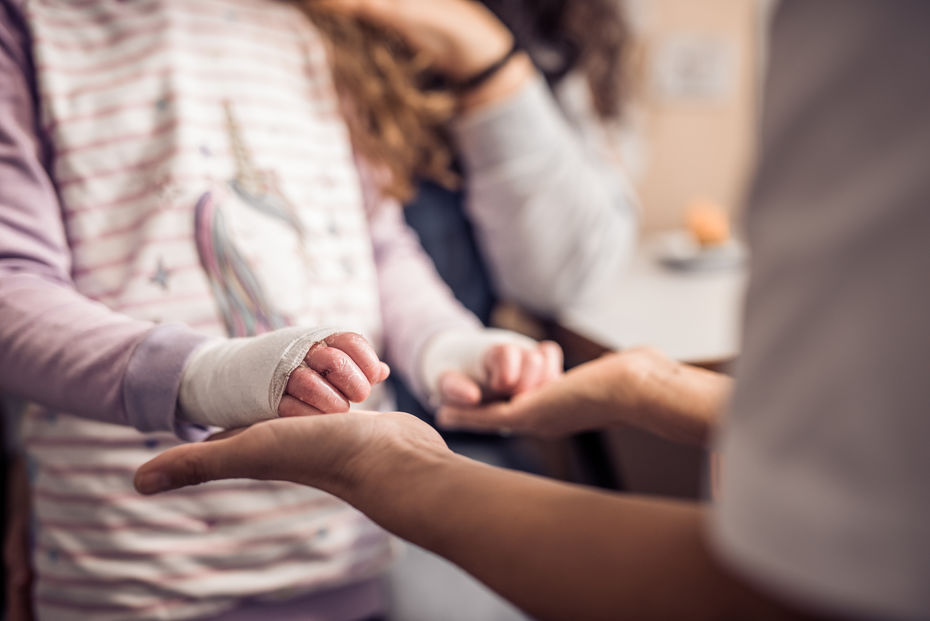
(289, 372)
(639, 387)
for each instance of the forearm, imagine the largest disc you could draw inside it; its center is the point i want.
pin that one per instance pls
(560, 552)
(74, 355)
(677, 401)
(555, 223)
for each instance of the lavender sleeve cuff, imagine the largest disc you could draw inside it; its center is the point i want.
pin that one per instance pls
(153, 379)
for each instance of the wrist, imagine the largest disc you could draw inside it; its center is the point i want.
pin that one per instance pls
(469, 49)
(376, 485)
(235, 382)
(510, 79)
(671, 399)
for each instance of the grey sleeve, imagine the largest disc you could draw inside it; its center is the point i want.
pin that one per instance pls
(825, 496)
(554, 220)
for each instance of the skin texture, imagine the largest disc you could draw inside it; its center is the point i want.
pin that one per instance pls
(458, 38)
(340, 369)
(561, 552)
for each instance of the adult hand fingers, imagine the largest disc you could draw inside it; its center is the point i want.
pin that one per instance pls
(496, 416)
(456, 388)
(310, 388)
(290, 406)
(362, 353)
(338, 369)
(192, 464)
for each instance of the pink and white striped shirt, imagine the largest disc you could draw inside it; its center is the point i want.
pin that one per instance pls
(189, 175)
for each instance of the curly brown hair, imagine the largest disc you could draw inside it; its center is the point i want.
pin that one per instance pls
(397, 110)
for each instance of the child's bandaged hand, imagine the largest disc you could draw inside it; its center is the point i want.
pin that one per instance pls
(466, 368)
(337, 370)
(289, 372)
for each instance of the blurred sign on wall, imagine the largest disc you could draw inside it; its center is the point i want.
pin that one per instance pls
(693, 67)
(696, 112)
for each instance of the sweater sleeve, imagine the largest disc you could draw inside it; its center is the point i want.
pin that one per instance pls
(555, 221)
(415, 303)
(57, 347)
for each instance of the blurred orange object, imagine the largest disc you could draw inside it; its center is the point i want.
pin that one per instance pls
(708, 222)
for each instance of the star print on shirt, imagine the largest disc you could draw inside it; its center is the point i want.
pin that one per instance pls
(161, 275)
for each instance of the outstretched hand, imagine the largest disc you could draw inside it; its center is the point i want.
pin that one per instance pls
(332, 453)
(581, 400)
(642, 388)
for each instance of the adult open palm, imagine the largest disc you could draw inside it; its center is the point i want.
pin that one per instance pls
(329, 452)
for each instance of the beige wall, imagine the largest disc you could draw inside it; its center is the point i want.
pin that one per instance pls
(696, 118)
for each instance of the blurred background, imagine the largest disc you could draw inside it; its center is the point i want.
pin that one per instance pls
(687, 141)
(690, 134)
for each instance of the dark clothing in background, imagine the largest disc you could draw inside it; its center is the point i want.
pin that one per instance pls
(438, 216)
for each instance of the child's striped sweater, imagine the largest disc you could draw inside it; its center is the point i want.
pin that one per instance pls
(205, 186)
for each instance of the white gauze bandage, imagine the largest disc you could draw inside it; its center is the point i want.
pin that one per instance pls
(463, 350)
(236, 382)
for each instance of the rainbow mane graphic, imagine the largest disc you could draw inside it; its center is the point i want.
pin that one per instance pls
(239, 295)
(237, 290)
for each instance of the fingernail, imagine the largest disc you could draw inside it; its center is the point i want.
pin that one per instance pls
(153, 482)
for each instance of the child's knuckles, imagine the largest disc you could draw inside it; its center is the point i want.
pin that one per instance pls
(356, 389)
(328, 360)
(347, 339)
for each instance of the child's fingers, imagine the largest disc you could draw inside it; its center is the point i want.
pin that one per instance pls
(308, 386)
(502, 364)
(361, 352)
(384, 371)
(456, 388)
(531, 370)
(337, 367)
(553, 365)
